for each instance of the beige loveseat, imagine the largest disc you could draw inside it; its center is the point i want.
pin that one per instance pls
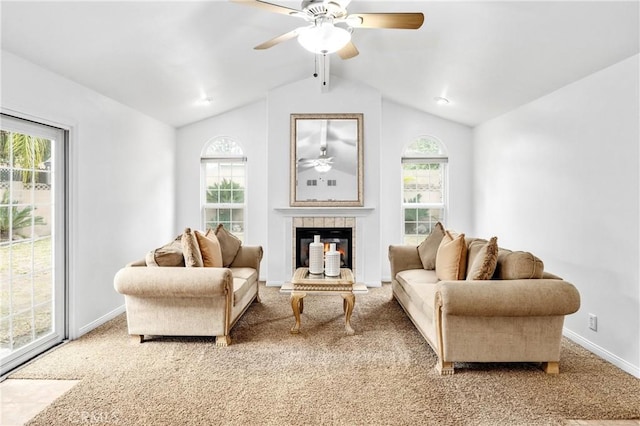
(489, 320)
(189, 300)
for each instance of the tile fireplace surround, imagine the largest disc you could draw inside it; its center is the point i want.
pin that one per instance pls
(363, 257)
(324, 222)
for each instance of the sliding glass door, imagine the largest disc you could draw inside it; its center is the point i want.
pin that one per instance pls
(32, 239)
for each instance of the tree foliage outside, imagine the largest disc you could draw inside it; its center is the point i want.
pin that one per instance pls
(24, 152)
(13, 217)
(225, 192)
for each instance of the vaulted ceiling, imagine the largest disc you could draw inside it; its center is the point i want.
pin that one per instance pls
(163, 57)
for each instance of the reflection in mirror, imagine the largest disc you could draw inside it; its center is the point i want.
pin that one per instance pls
(326, 160)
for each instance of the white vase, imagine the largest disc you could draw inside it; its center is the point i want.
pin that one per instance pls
(332, 261)
(316, 255)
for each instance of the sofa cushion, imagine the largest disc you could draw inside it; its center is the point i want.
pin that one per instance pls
(484, 261)
(516, 265)
(191, 249)
(243, 278)
(169, 254)
(451, 260)
(428, 248)
(210, 250)
(229, 244)
(419, 276)
(420, 286)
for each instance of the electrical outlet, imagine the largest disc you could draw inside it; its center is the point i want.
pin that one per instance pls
(593, 322)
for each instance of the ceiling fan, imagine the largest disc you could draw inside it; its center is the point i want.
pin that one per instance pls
(329, 26)
(323, 163)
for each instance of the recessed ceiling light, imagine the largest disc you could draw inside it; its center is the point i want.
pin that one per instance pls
(440, 100)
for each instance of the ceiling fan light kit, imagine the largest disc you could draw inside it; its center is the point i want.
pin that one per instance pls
(323, 164)
(323, 37)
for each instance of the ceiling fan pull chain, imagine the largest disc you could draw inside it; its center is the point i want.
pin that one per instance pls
(315, 66)
(324, 67)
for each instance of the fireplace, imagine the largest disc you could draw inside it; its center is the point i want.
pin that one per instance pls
(342, 237)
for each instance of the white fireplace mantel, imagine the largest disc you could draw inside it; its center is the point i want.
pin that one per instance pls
(324, 211)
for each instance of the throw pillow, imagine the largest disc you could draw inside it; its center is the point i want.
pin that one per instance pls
(473, 248)
(190, 249)
(210, 249)
(451, 259)
(229, 245)
(485, 261)
(519, 265)
(428, 249)
(168, 255)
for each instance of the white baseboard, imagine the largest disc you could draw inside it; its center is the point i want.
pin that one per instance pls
(98, 322)
(602, 353)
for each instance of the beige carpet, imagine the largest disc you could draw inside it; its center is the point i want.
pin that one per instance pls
(384, 375)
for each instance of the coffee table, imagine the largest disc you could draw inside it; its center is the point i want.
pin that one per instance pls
(304, 283)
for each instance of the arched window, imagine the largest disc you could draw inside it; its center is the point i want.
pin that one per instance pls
(424, 187)
(223, 185)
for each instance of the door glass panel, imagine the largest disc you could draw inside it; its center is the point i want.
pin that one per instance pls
(32, 248)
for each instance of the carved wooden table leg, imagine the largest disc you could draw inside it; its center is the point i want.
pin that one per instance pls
(297, 306)
(348, 304)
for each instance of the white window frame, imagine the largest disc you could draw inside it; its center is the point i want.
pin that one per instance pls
(415, 157)
(210, 155)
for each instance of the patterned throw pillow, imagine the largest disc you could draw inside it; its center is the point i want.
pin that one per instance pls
(229, 244)
(191, 249)
(451, 260)
(168, 255)
(428, 249)
(484, 263)
(210, 249)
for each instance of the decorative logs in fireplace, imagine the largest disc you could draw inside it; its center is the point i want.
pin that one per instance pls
(341, 237)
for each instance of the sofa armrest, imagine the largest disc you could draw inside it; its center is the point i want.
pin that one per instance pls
(403, 257)
(507, 298)
(173, 281)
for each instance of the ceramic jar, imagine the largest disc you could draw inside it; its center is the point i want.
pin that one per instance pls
(316, 256)
(332, 261)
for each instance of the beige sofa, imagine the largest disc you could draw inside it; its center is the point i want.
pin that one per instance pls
(493, 320)
(189, 301)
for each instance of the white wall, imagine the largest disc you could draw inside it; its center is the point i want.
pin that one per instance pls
(559, 177)
(400, 127)
(121, 183)
(247, 126)
(305, 96)
(263, 131)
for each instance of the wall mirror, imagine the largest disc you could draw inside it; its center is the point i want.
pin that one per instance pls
(326, 160)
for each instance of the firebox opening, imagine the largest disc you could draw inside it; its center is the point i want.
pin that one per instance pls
(342, 237)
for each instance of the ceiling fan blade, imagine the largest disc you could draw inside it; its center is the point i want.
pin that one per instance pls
(406, 21)
(276, 40)
(270, 7)
(349, 51)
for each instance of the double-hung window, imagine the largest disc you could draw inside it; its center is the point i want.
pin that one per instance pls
(223, 185)
(424, 187)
